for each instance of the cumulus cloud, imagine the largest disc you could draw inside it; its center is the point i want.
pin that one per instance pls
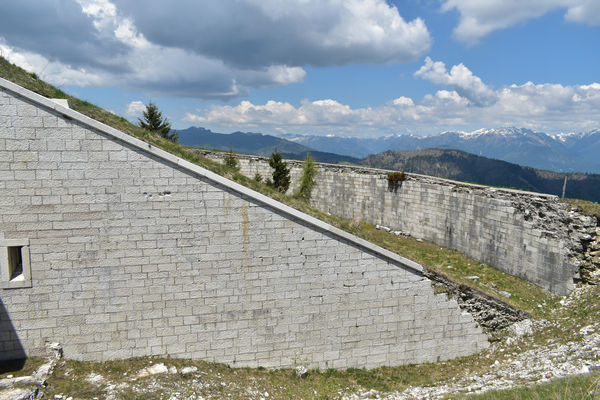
(190, 48)
(461, 79)
(546, 107)
(479, 18)
(136, 108)
(261, 33)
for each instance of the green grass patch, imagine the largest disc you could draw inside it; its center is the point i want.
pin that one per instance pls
(580, 387)
(524, 295)
(214, 380)
(585, 207)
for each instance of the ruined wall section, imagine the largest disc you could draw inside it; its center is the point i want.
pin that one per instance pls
(530, 235)
(135, 253)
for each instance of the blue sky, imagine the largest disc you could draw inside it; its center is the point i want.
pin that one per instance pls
(343, 67)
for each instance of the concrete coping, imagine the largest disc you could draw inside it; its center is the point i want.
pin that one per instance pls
(197, 170)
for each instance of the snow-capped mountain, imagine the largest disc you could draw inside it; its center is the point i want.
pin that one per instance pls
(559, 152)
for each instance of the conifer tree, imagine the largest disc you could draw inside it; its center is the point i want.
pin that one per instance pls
(153, 121)
(281, 173)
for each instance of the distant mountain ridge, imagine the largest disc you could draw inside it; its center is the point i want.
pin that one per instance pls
(563, 152)
(255, 143)
(462, 166)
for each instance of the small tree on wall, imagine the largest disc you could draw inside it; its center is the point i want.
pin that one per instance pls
(307, 181)
(231, 161)
(281, 173)
(153, 121)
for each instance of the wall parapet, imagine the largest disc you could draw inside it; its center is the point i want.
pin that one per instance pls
(531, 235)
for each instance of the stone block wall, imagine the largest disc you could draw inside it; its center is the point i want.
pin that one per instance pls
(135, 252)
(530, 235)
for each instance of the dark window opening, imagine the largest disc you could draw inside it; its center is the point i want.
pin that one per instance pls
(15, 261)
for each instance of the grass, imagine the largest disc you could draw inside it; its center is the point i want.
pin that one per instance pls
(221, 381)
(213, 380)
(580, 387)
(585, 207)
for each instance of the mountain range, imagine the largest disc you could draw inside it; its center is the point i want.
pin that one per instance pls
(526, 146)
(572, 152)
(461, 166)
(257, 144)
(562, 152)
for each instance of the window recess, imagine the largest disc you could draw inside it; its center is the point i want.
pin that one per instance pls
(15, 267)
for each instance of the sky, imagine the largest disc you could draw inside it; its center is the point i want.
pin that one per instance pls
(362, 68)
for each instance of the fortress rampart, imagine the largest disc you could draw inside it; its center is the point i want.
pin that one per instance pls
(530, 235)
(117, 249)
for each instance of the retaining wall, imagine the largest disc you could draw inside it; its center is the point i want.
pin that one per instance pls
(133, 252)
(530, 235)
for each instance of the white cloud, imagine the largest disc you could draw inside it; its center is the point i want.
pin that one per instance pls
(586, 11)
(546, 107)
(478, 18)
(136, 108)
(216, 51)
(461, 79)
(261, 33)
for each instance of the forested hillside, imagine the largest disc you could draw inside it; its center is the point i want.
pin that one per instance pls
(462, 166)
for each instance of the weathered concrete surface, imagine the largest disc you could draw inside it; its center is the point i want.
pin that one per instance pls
(136, 252)
(530, 235)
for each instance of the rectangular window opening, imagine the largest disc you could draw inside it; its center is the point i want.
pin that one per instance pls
(15, 262)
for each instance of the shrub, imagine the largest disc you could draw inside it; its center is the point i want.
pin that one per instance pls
(231, 161)
(258, 177)
(307, 181)
(395, 178)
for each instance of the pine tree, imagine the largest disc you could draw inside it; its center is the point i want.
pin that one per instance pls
(307, 181)
(281, 173)
(154, 122)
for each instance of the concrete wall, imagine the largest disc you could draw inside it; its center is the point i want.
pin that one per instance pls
(530, 235)
(135, 252)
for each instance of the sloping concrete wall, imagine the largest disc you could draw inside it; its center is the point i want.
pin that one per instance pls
(135, 252)
(530, 235)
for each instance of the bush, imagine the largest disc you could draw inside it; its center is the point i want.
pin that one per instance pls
(307, 181)
(258, 177)
(395, 178)
(231, 161)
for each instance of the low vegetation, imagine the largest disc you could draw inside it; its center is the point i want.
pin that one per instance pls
(395, 178)
(585, 207)
(307, 180)
(579, 387)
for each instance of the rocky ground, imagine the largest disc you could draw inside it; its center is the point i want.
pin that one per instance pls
(541, 363)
